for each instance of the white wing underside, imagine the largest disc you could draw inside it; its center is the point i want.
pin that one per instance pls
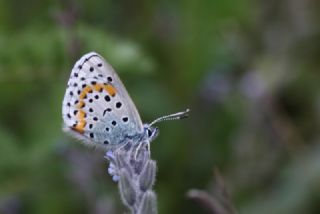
(104, 119)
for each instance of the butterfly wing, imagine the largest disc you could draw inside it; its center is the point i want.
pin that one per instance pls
(96, 107)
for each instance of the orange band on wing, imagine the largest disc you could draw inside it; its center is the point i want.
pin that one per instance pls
(110, 89)
(81, 104)
(80, 126)
(81, 115)
(84, 92)
(98, 87)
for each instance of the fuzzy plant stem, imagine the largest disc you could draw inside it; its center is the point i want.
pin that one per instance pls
(135, 174)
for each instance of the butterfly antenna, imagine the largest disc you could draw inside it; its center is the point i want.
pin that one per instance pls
(175, 116)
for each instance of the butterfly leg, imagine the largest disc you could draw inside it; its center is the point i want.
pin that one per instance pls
(149, 149)
(139, 146)
(137, 150)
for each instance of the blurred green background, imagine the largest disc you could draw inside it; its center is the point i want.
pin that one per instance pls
(248, 70)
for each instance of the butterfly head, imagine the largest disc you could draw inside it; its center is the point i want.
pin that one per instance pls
(150, 132)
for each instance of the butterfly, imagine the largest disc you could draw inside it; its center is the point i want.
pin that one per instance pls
(98, 110)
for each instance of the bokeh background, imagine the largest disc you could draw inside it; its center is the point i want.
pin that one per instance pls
(248, 70)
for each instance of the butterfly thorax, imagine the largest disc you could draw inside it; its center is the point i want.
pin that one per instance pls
(147, 136)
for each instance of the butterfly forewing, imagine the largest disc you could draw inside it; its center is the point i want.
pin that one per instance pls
(96, 106)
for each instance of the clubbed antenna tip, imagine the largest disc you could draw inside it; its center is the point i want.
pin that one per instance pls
(175, 116)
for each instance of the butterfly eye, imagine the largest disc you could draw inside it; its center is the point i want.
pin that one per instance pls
(149, 132)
